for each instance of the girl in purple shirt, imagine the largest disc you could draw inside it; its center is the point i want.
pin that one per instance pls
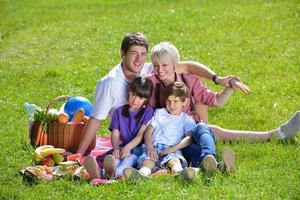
(127, 127)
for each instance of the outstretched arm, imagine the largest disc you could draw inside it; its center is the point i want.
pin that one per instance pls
(205, 72)
(224, 96)
(195, 68)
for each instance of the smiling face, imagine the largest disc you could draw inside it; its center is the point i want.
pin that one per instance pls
(133, 60)
(135, 102)
(165, 57)
(164, 69)
(175, 105)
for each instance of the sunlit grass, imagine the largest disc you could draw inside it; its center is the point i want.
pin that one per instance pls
(51, 48)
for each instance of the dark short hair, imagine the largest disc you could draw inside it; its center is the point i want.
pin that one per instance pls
(177, 89)
(141, 87)
(134, 38)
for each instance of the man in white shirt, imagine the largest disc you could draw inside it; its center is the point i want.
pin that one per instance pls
(111, 91)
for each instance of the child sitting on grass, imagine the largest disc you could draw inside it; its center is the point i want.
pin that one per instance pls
(128, 125)
(170, 130)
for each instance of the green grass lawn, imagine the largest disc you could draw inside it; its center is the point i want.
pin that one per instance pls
(51, 48)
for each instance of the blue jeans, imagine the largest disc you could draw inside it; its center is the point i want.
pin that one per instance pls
(204, 144)
(162, 160)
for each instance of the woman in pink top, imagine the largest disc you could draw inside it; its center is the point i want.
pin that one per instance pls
(165, 57)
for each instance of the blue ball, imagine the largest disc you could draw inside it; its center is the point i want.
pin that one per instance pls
(75, 103)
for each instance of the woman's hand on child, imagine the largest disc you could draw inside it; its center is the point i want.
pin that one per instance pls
(125, 152)
(116, 153)
(153, 154)
(167, 151)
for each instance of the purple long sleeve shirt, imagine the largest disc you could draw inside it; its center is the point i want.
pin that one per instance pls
(129, 126)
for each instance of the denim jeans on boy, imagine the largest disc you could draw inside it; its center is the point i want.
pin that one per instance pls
(162, 160)
(204, 143)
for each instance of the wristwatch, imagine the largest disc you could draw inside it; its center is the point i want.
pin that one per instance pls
(214, 77)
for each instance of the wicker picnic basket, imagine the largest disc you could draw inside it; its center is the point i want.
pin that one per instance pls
(62, 135)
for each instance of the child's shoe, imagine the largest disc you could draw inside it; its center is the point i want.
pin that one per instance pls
(131, 173)
(229, 160)
(209, 165)
(187, 174)
(92, 167)
(291, 127)
(109, 166)
(145, 172)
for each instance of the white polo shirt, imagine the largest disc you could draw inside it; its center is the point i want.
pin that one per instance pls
(112, 91)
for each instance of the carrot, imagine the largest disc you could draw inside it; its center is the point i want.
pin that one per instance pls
(45, 138)
(38, 135)
(41, 138)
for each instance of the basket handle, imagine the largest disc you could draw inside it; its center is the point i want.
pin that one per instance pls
(57, 99)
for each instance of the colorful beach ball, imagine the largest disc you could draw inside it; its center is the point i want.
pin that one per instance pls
(75, 103)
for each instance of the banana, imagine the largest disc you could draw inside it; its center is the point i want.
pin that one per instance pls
(43, 147)
(51, 151)
(67, 163)
(37, 152)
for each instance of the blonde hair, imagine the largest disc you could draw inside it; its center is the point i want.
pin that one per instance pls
(165, 50)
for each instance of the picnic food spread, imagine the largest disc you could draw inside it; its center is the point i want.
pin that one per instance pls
(54, 132)
(58, 128)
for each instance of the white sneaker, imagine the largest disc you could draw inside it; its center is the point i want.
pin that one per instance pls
(187, 174)
(229, 160)
(291, 127)
(209, 164)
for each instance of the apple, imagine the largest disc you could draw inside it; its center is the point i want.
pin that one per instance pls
(58, 158)
(48, 161)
